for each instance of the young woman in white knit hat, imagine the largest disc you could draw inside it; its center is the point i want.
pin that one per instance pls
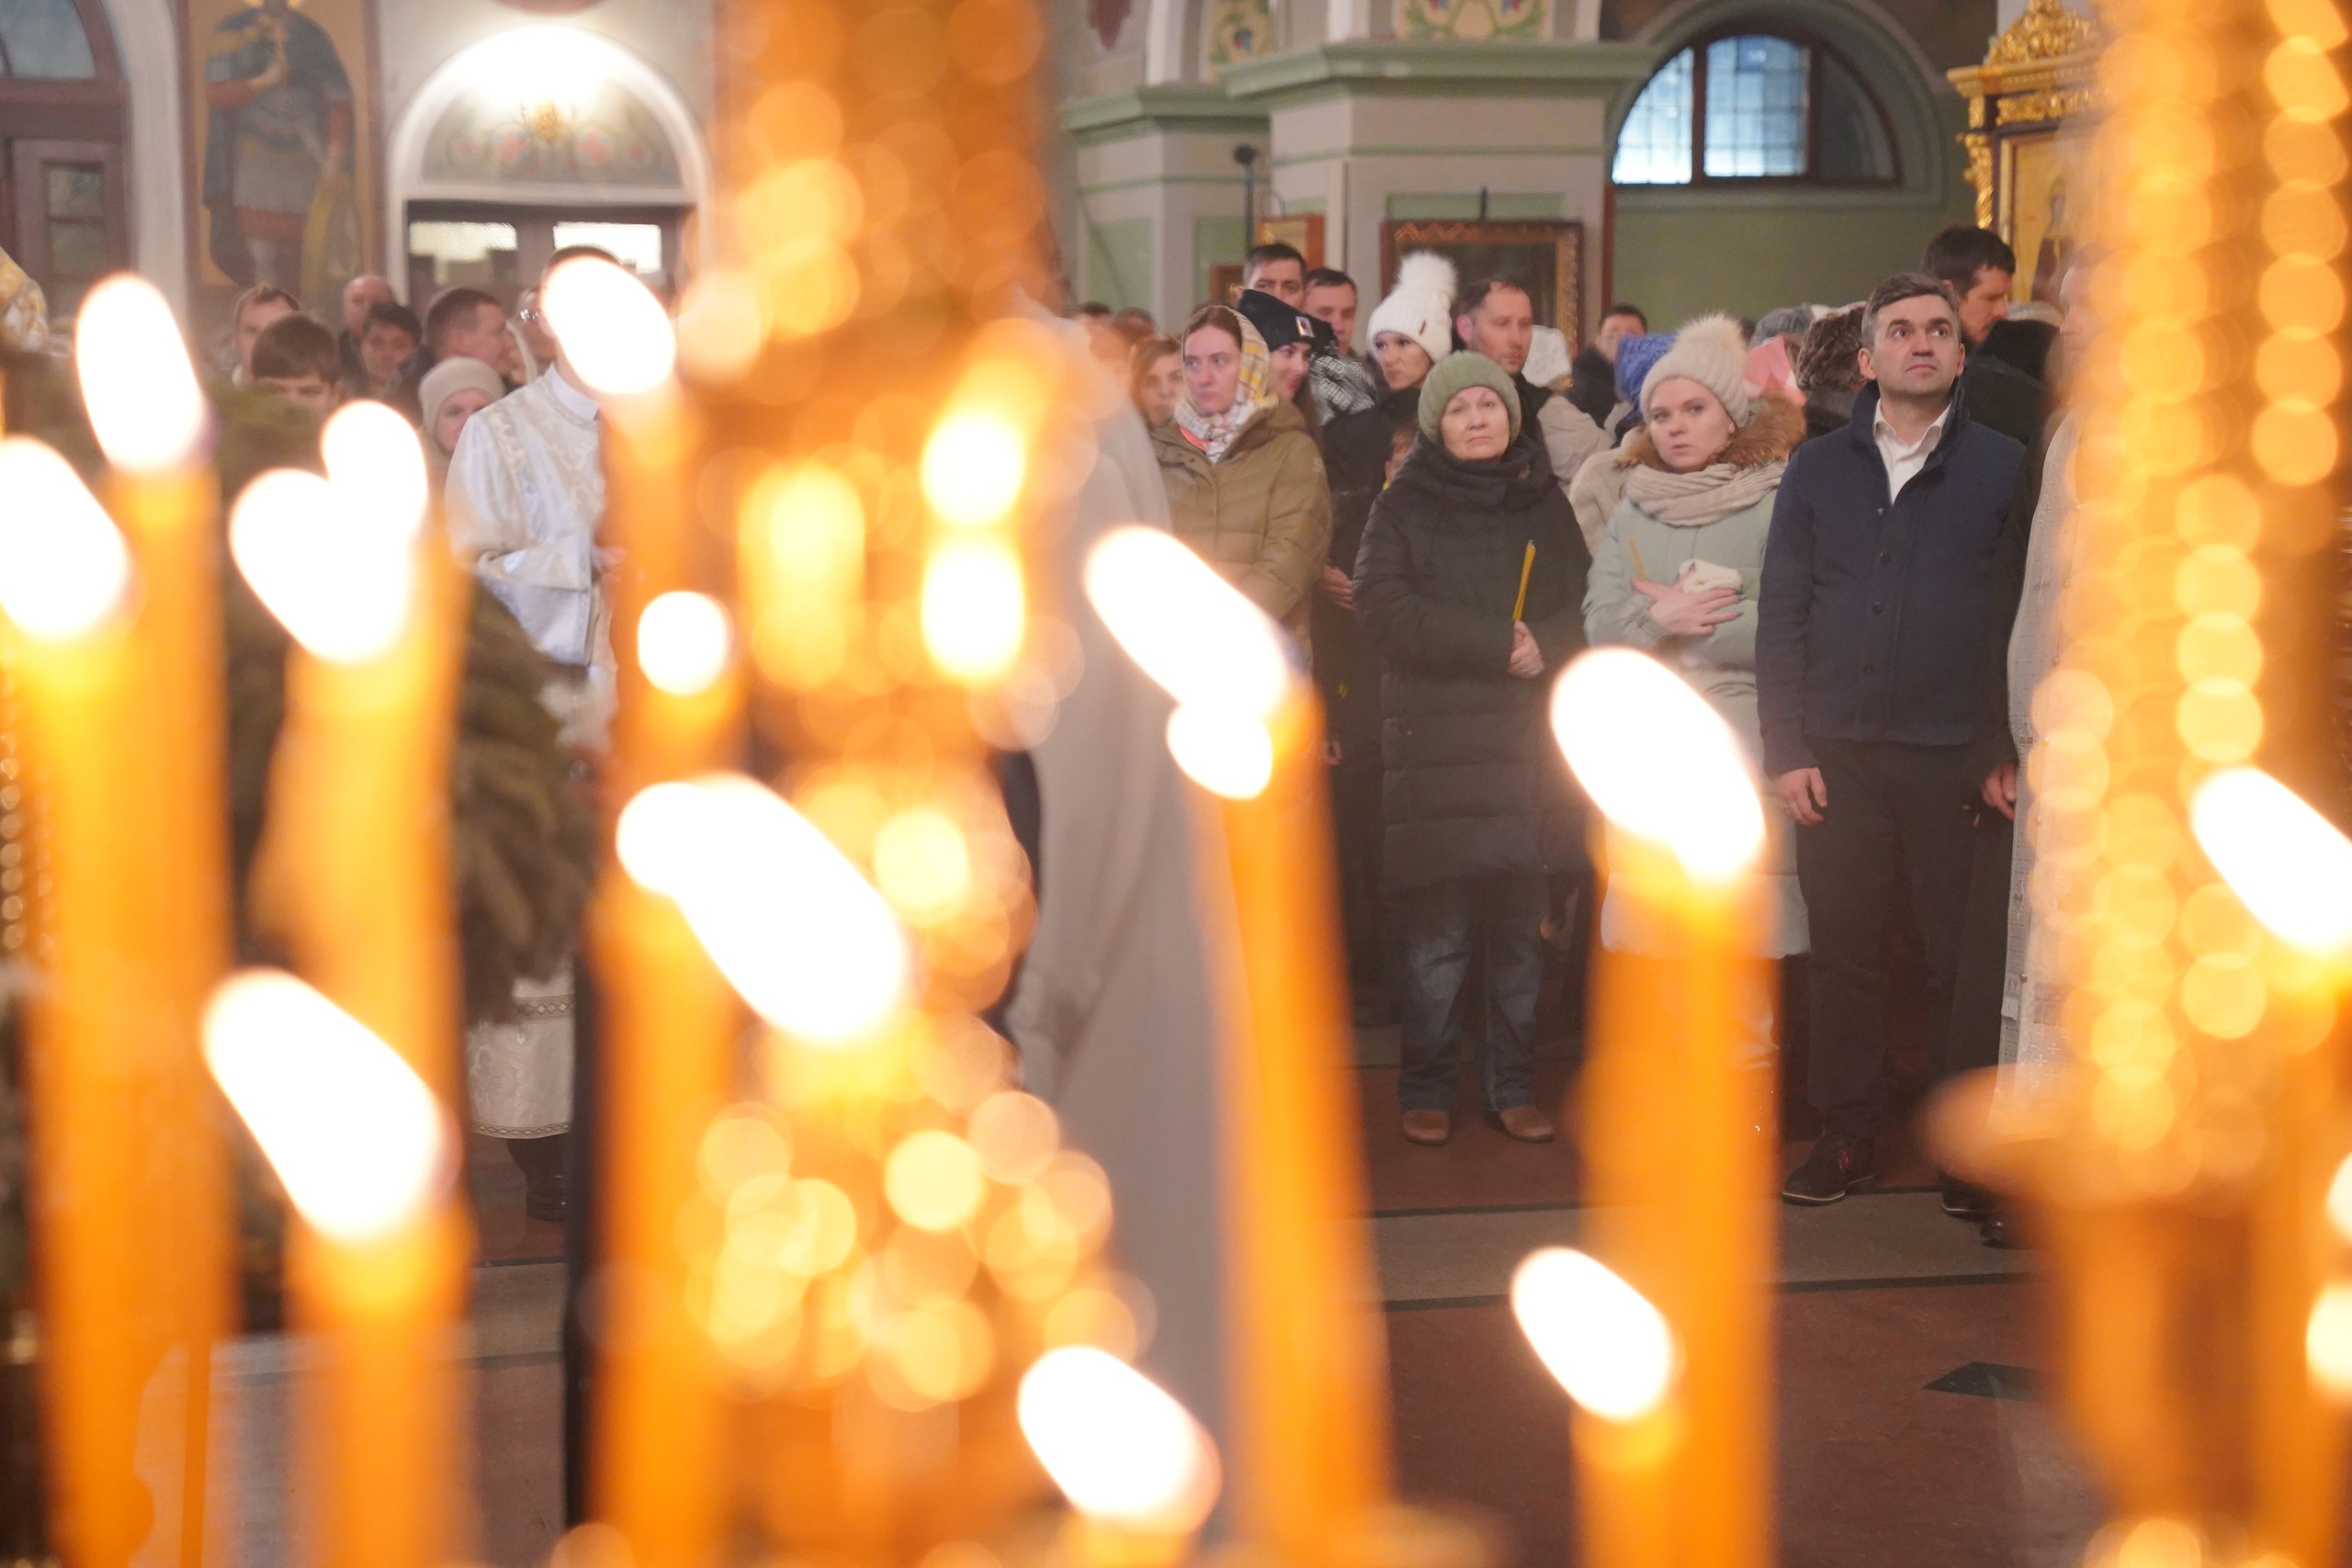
(1678, 564)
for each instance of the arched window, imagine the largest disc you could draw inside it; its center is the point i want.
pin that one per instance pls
(1776, 108)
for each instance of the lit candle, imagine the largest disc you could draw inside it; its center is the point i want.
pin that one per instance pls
(1135, 1466)
(1685, 1480)
(354, 872)
(1310, 1423)
(376, 1270)
(669, 1022)
(119, 656)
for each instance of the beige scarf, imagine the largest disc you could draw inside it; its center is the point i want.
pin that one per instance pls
(1709, 495)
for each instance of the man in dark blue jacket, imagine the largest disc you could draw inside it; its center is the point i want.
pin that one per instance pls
(1870, 622)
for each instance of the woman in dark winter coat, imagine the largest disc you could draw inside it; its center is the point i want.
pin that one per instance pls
(1476, 797)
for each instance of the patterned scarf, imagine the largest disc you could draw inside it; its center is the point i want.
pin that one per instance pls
(1214, 434)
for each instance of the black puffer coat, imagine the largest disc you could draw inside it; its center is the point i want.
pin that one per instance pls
(1475, 785)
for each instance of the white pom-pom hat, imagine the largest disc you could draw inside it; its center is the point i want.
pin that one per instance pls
(1420, 306)
(1712, 351)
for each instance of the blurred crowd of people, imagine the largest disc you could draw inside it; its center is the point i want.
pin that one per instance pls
(1824, 520)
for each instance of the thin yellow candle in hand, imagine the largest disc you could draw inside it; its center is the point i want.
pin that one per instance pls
(1526, 569)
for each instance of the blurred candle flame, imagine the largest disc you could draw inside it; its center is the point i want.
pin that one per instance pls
(1609, 1348)
(2327, 1340)
(358, 1140)
(796, 930)
(63, 565)
(339, 584)
(1659, 762)
(375, 463)
(682, 641)
(973, 467)
(2289, 866)
(973, 608)
(613, 329)
(1117, 1445)
(144, 403)
(1226, 661)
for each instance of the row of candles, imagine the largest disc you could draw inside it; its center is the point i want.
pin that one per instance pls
(1659, 1330)
(722, 901)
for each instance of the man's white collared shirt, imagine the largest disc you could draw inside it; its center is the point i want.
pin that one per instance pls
(1903, 462)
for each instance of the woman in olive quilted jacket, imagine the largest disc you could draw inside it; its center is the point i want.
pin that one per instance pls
(1245, 480)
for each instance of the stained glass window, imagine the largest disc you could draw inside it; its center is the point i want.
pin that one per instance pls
(44, 40)
(1654, 147)
(1755, 105)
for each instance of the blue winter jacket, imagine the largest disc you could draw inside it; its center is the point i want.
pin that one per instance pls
(1872, 613)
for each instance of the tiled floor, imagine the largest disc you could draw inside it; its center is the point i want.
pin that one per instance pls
(1880, 1297)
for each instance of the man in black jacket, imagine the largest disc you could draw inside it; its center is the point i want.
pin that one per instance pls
(1979, 267)
(1870, 618)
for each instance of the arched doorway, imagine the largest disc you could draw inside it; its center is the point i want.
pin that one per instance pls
(63, 125)
(536, 138)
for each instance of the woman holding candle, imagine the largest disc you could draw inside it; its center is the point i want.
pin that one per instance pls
(1677, 571)
(1470, 586)
(1245, 482)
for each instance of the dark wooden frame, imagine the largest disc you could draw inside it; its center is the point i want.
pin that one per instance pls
(92, 117)
(1564, 237)
(1697, 48)
(28, 203)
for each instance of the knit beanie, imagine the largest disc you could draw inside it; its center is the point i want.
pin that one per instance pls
(1788, 320)
(446, 380)
(1420, 306)
(1634, 356)
(1281, 325)
(1459, 372)
(1712, 351)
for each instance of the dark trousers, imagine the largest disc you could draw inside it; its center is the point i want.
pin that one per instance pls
(1440, 926)
(1897, 814)
(1983, 950)
(1358, 829)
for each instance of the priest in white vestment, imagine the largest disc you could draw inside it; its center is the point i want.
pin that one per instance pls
(525, 495)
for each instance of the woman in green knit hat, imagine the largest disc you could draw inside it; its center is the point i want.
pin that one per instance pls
(1470, 586)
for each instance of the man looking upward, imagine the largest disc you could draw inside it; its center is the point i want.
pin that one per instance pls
(1871, 624)
(1496, 319)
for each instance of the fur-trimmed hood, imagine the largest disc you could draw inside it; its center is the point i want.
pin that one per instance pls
(1777, 429)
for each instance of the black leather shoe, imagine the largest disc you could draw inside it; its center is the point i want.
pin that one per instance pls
(546, 1177)
(1839, 1163)
(2001, 1228)
(1966, 1200)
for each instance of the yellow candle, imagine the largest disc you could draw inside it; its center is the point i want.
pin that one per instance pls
(1676, 1123)
(376, 1269)
(354, 871)
(121, 693)
(669, 1017)
(1310, 1415)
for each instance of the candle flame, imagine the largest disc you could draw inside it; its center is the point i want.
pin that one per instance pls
(805, 939)
(358, 1140)
(1118, 1446)
(973, 467)
(328, 568)
(2327, 1340)
(1600, 1338)
(973, 608)
(63, 565)
(1228, 752)
(2286, 863)
(613, 329)
(1226, 661)
(142, 393)
(682, 641)
(1658, 760)
(377, 465)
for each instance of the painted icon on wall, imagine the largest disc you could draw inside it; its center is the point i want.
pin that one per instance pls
(284, 116)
